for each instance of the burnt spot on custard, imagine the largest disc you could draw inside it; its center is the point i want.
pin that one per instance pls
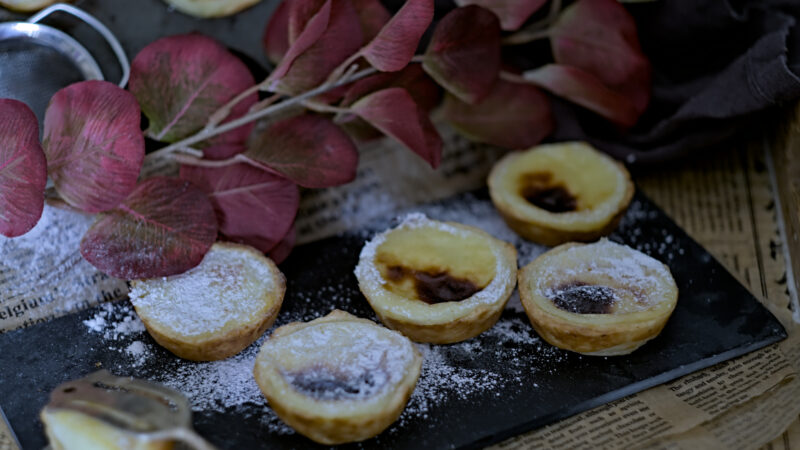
(323, 383)
(435, 286)
(582, 298)
(540, 190)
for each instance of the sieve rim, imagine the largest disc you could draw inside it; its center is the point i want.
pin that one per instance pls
(57, 40)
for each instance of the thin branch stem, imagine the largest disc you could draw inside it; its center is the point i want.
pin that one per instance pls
(199, 162)
(222, 113)
(525, 36)
(512, 77)
(256, 115)
(418, 59)
(536, 30)
(341, 71)
(323, 108)
(266, 102)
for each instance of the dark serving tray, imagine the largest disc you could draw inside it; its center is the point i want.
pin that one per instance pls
(716, 319)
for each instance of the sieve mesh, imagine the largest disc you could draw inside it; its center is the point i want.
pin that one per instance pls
(32, 73)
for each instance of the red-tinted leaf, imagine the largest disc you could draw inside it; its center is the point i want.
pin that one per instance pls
(300, 14)
(513, 115)
(372, 15)
(586, 90)
(253, 206)
(425, 92)
(276, 35)
(308, 34)
(23, 169)
(94, 144)
(394, 112)
(394, 46)
(181, 80)
(308, 149)
(599, 37)
(165, 227)
(284, 247)
(512, 13)
(464, 53)
(341, 38)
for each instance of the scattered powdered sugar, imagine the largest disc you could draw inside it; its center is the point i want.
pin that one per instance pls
(115, 321)
(138, 351)
(341, 360)
(207, 297)
(627, 271)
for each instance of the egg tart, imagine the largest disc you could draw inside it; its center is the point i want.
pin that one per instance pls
(558, 193)
(338, 378)
(216, 309)
(438, 282)
(597, 299)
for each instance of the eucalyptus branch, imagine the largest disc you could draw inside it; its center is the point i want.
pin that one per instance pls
(199, 162)
(512, 77)
(323, 108)
(252, 116)
(266, 102)
(222, 113)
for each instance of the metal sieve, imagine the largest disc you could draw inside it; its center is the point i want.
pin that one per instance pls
(36, 60)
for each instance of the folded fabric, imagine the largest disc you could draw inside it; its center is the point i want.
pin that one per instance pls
(719, 68)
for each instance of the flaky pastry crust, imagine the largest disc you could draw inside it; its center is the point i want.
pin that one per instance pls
(608, 334)
(233, 337)
(447, 321)
(334, 421)
(598, 187)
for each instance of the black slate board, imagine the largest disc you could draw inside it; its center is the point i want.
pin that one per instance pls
(716, 319)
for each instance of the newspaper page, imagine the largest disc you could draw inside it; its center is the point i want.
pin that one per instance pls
(45, 269)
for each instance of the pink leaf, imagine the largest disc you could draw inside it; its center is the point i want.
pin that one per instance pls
(586, 90)
(276, 35)
(181, 80)
(94, 144)
(253, 206)
(308, 149)
(512, 13)
(393, 112)
(372, 15)
(599, 37)
(464, 53)
(425, 92)
(165, 227)
(513, 115)
(341, 38)
(310, 32)
(394, 46)
(281, 251)
(23, 169)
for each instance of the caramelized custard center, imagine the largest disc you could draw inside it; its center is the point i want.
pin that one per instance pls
(434, 286)
(323, 383)
(581, 298)
(539, 189)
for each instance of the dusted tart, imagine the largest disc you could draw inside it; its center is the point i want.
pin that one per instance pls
(438, 282)
(338, 378)
(28, 5)
(216, 309)
(597, 299)
(558, 193)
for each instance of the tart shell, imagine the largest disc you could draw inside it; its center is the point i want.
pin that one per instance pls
(593, 334)
(569, 161)
(319, 420)
(231, 339)
(446, 322)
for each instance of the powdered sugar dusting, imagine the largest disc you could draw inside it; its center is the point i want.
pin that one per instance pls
(341, 360)
(225, 287)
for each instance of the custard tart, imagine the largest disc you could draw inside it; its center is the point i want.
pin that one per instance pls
(597, 299)
(559, 193)
(338, 378)
(438, 282)
(211, 8)
(216, 309)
